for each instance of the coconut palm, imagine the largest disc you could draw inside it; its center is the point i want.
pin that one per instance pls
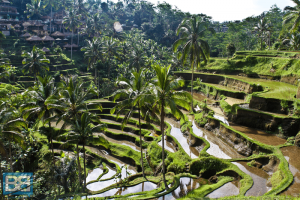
(82, 131)
(135, 90)
(34, 9)
(191, 32)
(93, 54)
(35, 61)
(263, 26)
(166, 96)
(43, 89)
(109, 49)
(292, 14)
(52, 4)
(137, 57)
(72, 20)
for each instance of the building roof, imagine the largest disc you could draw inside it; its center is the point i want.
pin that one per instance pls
(47, 38)
(69, 46)
(44, 49)
(17, 26)
(25, 35)
(57, 34)
(34, 38)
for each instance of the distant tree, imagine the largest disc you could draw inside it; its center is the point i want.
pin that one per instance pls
(34, 9)
(35, 61)
(261, 28)
(230, 49)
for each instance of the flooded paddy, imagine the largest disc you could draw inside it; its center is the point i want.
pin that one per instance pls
(291, 154)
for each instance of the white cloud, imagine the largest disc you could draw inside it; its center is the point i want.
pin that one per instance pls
(226, 10)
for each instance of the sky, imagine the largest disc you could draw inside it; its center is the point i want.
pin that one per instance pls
(225, 10)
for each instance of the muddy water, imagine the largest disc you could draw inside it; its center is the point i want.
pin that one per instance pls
(258, 176)
(184, 142)
(186, 185)
(291, 154)
(168, 146)
(253, 133)
(229, 189)
(232, 101)
(217, 148)
(259, 135)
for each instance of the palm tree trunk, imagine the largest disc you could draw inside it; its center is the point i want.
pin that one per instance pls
(50, 19)
(79, 167)
(78, 36)
(84, 168)
(10, 158)
(162, 122)
(141, 144)
(192, 85)
(72, 45)
(261, 46)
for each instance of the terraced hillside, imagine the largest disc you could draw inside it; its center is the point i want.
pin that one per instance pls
(237, 143)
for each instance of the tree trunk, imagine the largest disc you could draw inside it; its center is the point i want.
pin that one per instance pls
(84, 169)
(141, 143)
(72, 45)
(261, 46)
(192, 85)
(78, 36)
(162, 118)
(10, 158)
(79, 167)
(50, 19)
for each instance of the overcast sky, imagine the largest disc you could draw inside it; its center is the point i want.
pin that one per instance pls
(226, 10)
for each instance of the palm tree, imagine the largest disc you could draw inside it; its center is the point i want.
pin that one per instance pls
(93, 54)
(192, 31)
(262, 27)
(51, 3)
(136, 91)
(72, 21)
(165, 95)
(292, 14)
(34, 9)
(109, 49)
(43, 89)
(137, 57)
(82, 132)
(10, 127)
(35, 61)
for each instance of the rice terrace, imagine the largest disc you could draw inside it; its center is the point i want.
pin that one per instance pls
(130, 99)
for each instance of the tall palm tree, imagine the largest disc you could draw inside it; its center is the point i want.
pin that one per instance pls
(35, 61)
(262, 27)
(292, 14)
(109, 49)
(191, 32)
(93, 54)
(43, 89)
(82, 132)
(72, 20)
(137, 57)
(135, 90)
(52, 4)
(165, 95)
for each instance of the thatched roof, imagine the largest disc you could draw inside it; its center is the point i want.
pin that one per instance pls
(25, 35)
(17, 26)
(47, 38)
(58, 39)
(57, 34)
(69, 46)
(44, 49)
(34, 38)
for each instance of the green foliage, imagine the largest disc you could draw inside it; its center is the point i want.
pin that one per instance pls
(230, 49)
(204, 164)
